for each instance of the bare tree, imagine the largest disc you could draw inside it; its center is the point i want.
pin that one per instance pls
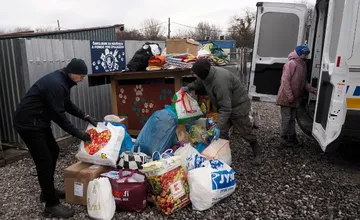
(182, 34)
(131, 34)
(20, 29)
(205, 30)
(153, 30)
(46, 29)
(242, 30)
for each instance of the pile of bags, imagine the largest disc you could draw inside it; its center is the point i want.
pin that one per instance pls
(151, 57)
(158, 167)
(214, 54)
(140, 60)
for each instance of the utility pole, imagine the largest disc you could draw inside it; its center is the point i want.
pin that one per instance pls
(169, 28)
(58, 24)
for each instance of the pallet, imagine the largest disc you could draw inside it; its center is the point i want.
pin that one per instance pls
(10, 155)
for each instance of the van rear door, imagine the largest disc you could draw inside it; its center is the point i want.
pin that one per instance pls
(331, 106)
(280, 27)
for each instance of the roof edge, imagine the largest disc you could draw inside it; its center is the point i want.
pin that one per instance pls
(35, 34)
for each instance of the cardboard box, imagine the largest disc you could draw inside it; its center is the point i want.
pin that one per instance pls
(77, 178)
(182, 46)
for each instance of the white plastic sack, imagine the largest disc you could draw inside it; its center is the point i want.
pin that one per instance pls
(220, 150)
(114, 118)
(100, 200)
(210, 183)
(194, 161)
(155, 49)
(203, 54)
(105, 146)
(185, 152)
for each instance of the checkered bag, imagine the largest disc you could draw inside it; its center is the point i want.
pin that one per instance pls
(133, 160)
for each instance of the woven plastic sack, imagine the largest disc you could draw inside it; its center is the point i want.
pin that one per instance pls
(186, 108)
(219, 149)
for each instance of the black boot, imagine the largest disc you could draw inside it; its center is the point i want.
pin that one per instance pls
(294, 141)
(60, 194)
(58, 211)
(257, 153)
(285, 141)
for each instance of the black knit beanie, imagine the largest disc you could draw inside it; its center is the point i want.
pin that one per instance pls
(76, 66)
(201, 68)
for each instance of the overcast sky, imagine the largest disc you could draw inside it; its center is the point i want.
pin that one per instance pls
(91, 13)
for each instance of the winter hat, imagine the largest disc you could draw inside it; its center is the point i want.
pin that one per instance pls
(76, 66)
(201, 68)
(302, 49)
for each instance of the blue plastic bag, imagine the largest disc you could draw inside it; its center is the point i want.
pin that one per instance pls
(127, 142)
(159, 132)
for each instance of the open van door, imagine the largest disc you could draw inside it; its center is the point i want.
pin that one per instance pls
(331, 108)
(280, 27)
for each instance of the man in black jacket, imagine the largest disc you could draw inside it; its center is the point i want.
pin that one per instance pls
(48, 100)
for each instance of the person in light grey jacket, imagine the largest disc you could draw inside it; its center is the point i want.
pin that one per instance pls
(226, 92)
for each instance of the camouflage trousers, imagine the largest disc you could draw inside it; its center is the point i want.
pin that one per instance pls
(240, 121)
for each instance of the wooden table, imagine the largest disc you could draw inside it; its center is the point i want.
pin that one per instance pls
(117, 78)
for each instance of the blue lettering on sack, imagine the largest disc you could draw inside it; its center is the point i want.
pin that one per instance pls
(223, 179)
(199, 160)
(216, 164)
(194, 161)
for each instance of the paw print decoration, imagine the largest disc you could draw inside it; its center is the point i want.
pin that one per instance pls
(138, 90)
(147, 107)
(122, 96)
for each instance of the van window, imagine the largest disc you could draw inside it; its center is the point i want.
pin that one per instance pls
(336, 26)
(278, 34)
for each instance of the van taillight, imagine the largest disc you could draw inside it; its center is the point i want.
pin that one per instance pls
(338, 61)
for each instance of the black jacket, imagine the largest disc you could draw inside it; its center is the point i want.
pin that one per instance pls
(48, 100)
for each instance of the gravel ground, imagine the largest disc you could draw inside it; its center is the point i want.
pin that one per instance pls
(300, 183)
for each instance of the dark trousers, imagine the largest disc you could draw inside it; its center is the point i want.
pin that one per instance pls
(288, 116)
(45, 151)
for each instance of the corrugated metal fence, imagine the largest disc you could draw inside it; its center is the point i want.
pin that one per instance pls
(11, 84)
(23, 61)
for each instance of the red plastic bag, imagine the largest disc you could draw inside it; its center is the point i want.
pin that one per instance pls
(130, 189)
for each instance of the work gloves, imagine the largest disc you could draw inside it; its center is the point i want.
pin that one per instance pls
(91, 120)
(186, 89)
(83, 135)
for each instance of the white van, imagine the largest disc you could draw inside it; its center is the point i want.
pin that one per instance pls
(333, 65)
